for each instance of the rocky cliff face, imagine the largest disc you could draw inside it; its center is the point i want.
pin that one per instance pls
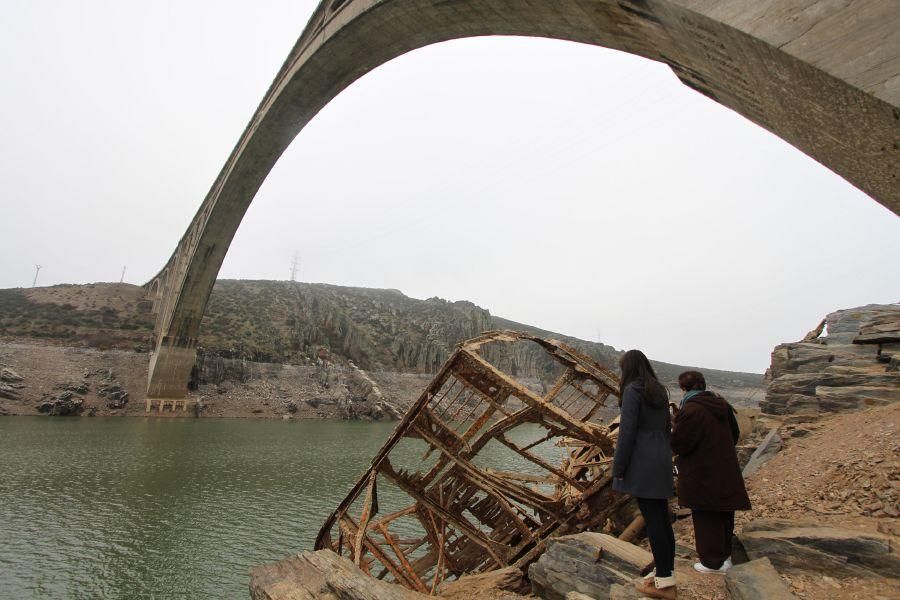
(850, 361)
(250, 325)
(298, 323)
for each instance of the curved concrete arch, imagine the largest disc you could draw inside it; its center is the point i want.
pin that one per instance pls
(823, 75)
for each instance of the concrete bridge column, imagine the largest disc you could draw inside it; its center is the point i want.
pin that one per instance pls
(170, 370)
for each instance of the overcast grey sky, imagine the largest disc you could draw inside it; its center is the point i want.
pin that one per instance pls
(571, 187)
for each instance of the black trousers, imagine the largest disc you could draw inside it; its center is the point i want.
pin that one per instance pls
(659, 532)
(713, 530)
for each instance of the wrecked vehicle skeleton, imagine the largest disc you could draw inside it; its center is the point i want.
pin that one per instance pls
(455, 516)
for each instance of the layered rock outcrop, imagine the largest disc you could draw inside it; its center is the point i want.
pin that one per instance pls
(850, 361)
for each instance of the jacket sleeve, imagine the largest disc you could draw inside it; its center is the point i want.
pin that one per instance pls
(628, 424)
(735, 428)
(687, 430)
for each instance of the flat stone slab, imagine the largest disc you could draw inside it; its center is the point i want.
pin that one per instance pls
(586, 563)
(803, 548)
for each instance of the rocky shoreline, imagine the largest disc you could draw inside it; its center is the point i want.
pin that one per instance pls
(41, 378)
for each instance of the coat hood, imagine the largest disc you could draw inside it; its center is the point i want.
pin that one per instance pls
(712, 402)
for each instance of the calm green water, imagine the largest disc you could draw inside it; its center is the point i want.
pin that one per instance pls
(161, 508)
(153, 508)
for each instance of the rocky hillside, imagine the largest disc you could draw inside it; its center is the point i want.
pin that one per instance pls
(292, 323)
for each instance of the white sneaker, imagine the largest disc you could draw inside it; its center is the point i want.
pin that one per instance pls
(649, 576)
(707, 571)
(728, 564)
(662, 583)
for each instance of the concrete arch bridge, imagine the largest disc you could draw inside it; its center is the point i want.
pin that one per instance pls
(824, 75)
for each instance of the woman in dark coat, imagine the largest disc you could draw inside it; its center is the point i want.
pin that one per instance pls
(642, 465)
(709, 476)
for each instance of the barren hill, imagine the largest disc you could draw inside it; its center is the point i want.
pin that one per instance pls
(272, 334)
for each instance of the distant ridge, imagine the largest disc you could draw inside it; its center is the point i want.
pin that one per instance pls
(293, 323)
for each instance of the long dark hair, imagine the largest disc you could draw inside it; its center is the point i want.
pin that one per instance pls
(636, 367)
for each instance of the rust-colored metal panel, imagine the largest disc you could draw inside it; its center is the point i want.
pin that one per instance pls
(436, 504)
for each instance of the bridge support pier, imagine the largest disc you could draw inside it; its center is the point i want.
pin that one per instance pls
(170, 371)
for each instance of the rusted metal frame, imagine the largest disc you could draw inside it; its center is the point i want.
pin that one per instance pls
(521, 477)
(597, 486)
(432, 420)
(527, 496)
(388, 518)
(426, 518)
(564, 525)
(531, 398)
(562, 353)
(489, 412)
(568, 399)
(459, 401)
(595, 441)
(442, 545)
(498, 406)
(595, 463)
(563, 380)
(601, 401)
(480, 422)
(324, 536)
(523, 415)
(473, 394)
(552, 433)
(581, 362)
(437, 399)
(404, 562)
(425, 562)
(364, 518)
(438, 473)
(453, 401)
(480, 405)
(597, 437)
(348, 529)
(487, 484)
(540, 462)
(507, 509)
(458, 521)
(456, 483)
(576, 383)
(380, 556)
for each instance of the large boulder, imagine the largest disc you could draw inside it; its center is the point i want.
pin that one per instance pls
(756, 580)
(8, 391)
(587, 563)
(805, 547)
(65, 404)
(856, 364)
(321, 575)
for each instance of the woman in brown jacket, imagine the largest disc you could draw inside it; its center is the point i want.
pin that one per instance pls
(704, 434)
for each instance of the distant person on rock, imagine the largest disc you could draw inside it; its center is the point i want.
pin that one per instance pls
(709, 476)
(642, 465)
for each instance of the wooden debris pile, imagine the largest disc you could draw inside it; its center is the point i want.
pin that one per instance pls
(483, 469)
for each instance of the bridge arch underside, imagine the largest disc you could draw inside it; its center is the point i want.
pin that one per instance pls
(825, 78)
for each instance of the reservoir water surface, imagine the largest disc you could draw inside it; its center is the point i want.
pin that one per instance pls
(164, 508)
